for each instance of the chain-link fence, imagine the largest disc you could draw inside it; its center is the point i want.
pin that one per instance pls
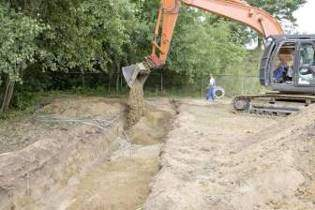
(160, 83)
(239, 85)
(233, 85)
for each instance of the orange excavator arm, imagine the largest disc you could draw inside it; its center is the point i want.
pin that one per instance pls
(238, 10)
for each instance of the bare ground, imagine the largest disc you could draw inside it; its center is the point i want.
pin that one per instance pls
(76, 153)
(79, 156)
(215, 159)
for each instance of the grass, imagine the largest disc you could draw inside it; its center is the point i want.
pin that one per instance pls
(26, 103)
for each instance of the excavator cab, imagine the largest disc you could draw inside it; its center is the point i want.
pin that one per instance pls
(296, 55)
(288, 69)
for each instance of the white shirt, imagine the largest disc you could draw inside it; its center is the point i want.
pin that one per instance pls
(290, 72)
(212, 82)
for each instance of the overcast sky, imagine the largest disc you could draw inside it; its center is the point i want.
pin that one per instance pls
(306, 18)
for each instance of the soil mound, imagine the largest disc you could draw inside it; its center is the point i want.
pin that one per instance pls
(84, 107)
(54, 145)
(60, 114)
(207, 163)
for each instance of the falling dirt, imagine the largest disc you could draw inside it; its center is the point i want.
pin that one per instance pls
(136, 105)
(152, 127)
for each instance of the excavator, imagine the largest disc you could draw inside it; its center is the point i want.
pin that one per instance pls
(286, 94)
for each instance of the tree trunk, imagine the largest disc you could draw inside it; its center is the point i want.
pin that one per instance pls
(121, 81)
(117, 77)
(7, 96)
(108, 85)
(202, 90)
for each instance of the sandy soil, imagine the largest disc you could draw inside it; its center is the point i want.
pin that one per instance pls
(215, 159)
(79, 156)
(22, 132)
(76, 153)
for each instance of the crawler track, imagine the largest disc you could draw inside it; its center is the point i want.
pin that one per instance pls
(272, 103)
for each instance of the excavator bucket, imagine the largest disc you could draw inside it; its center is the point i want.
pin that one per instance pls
(135, 72)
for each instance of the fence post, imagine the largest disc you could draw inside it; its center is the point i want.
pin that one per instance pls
(117, 77)
(121, 80)
(201, 88)
(243, 89)
(162, 83)
(82, 77)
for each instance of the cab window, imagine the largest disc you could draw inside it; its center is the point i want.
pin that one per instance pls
(306, 74)
(283, 63)
(307, 54)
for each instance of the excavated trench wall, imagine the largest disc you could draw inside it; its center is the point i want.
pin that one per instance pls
(42, 168)
(50, 173)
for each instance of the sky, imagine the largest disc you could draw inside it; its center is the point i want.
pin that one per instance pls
(306, 18)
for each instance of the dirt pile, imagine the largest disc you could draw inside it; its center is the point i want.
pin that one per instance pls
(218, 160)
(84, 107)
(19, 133)
(277, 167)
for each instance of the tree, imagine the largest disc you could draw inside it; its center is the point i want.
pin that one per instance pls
(201, 46)
(282, 9)
(103, 35)
(88, 34)
(18, 47)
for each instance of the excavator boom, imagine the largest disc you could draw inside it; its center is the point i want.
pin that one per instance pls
(238, 10)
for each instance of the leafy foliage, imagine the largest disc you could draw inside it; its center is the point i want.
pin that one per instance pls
(201, 47)
(17, 41)
(106, 34)
(103, 35)
(88, 34)
(282, 9)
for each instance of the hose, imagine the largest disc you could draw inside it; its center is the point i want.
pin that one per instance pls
(218, 92)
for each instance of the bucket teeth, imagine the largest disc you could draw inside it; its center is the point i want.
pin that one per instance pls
(135, 72)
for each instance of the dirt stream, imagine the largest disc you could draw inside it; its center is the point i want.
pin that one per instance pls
(76, 153)
(136, 105)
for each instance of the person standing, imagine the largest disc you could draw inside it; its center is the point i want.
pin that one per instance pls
(211, 88)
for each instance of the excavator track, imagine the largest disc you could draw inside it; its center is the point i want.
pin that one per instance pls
(273, 103)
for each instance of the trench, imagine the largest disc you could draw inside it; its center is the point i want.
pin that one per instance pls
(123, 181)
(88, 167)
